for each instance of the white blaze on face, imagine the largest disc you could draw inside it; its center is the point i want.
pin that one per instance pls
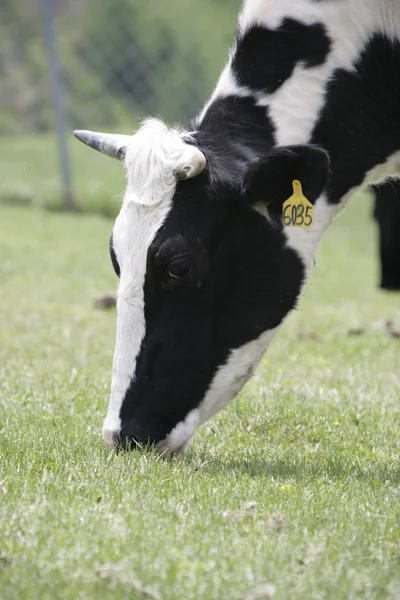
(133, 233)
(179, 438)
(153, 157)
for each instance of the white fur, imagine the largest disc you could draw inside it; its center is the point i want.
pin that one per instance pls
(371, 15)
(151, 158)
(154, 156)
(181, 435)
(231, 377)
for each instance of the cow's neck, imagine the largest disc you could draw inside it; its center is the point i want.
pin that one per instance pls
(343, 96)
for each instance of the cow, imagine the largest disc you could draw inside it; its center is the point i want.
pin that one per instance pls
(222, 218)
(387, 215)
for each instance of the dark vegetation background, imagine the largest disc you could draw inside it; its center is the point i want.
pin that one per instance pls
(119, 62)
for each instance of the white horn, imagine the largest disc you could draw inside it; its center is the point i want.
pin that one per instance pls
(108, 143)
(192, 163)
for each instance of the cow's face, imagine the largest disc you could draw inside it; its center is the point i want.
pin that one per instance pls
(206, 278)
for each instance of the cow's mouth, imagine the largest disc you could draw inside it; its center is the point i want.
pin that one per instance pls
(115, 442)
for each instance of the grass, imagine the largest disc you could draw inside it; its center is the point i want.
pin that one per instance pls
(30, 174)
(292, 492)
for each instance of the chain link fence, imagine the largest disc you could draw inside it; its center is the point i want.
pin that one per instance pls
(70, 64)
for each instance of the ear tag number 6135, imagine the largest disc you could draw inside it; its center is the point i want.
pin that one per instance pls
(297, 211)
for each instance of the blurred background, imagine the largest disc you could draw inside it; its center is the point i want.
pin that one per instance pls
(68, 64)
(104, 65)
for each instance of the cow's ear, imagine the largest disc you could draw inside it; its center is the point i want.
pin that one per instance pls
(269, 181)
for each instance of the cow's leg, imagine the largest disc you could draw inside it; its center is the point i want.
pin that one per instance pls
(387, 215)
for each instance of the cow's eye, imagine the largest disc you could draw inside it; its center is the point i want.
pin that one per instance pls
(180, 267)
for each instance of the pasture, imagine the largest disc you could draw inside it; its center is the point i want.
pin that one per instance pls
(293, 492)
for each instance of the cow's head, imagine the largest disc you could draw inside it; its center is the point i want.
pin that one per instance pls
(207, 274)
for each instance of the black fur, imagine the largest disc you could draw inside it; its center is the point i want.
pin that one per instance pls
(265, 58)
(387, 215)
(360, 123)
(234, 133)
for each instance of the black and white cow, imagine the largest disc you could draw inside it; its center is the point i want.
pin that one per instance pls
(208, 270)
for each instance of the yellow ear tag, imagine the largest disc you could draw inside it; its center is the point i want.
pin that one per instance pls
(297, 211)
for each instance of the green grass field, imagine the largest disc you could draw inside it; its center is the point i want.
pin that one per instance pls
(291, 493)
(30, 175)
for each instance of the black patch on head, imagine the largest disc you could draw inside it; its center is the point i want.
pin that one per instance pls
(359, 125)
(387, 214)
(233, 133)
(265, 58)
